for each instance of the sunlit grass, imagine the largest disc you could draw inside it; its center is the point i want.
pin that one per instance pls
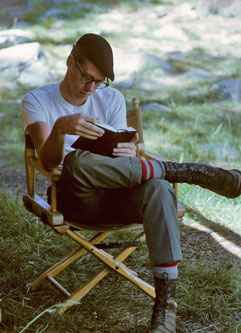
(169, 133)
(210, 206)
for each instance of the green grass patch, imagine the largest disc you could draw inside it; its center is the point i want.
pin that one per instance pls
(210, 208)
(212, 295)
(207, 295)
(12, 136)
(170, 133)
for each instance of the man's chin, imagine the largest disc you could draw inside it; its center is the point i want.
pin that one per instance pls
(84, 95)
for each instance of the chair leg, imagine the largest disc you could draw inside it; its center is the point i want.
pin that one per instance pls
(112, 264)
(83, 290)
(60, 266)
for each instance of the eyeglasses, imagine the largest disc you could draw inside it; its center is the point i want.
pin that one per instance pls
(87, 78)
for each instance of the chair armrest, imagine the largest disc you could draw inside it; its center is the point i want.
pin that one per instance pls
(152, 156)
(42, 209)
(54, 174)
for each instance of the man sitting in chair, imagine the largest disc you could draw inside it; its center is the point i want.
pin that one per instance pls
(95, 188)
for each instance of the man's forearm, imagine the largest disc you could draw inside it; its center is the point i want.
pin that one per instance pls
(52, 152)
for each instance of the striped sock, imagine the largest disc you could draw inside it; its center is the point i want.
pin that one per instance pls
(171, 269)
(152, 169)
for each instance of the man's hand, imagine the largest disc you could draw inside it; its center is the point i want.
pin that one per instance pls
(127, 149)
(50, 144)
(79, 124)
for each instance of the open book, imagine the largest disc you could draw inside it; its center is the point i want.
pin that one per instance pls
(104, 145)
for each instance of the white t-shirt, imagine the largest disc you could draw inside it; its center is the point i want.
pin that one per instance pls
(47, 104)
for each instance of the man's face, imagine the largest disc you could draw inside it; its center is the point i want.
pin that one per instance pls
(78, 74)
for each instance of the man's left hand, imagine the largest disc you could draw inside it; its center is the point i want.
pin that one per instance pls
(127, 149)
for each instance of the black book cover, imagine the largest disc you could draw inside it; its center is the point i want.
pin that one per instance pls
(104, 145)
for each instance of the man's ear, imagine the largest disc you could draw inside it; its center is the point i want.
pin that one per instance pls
(70, 61)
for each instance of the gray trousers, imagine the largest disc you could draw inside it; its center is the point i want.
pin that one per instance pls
(99, 189)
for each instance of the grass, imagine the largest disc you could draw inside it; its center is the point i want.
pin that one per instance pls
(209, 286)
(169, 134)
(208, 295)
(11, 134)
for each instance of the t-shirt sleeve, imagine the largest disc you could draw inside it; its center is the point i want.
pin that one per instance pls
(32, 110)
(118, 115)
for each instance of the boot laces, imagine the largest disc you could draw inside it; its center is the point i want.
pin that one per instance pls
(198, 175)
(191, 173)
(169, 314)
(164, 314)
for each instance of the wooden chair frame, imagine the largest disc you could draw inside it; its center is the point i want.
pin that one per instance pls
(50, 216)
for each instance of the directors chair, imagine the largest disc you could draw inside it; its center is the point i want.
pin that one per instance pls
(49, 215)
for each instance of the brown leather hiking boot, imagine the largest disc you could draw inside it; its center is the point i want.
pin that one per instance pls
(223, 182)
(164, 310)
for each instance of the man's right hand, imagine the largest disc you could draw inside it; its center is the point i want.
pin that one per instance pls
(78, 124)
(50, 144)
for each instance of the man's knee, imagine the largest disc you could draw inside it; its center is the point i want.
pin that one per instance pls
(159, 187)
(156, 195)
(76, 161)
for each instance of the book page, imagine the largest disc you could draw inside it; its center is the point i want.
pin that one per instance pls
(107, 127)
(129, 129)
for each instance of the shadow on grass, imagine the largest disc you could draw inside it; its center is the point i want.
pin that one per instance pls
(220, 232)
(214, 239)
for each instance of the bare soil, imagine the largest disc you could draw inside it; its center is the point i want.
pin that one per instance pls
(15, 182)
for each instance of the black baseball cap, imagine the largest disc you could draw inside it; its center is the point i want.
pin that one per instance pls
(97, 50)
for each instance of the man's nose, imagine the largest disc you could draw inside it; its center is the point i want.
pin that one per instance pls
(90, 86)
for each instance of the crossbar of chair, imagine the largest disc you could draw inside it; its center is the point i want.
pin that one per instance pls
(58, 285)
(60, 266)
(83, 290)
(118, 245)
(102, 255)
(112, 264)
